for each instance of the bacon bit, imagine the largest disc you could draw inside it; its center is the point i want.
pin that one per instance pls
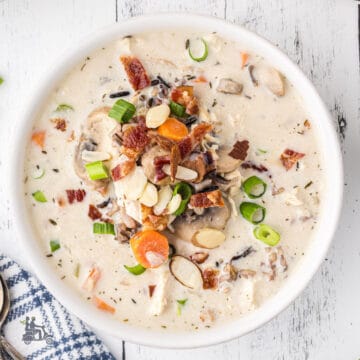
(250, 165)
(75, 195)
(207, 199)
(199, 257)
(202, 164)
(210, 277)
(307, 124)
(290, 157)
(185, 147)
(152, 221)
(159, 162)
(123, 169)
(174, 161)
(136, 72)
(239, 150)
(135, 140)
(38, 138)
(184, 95)
(151, 290)
(60, 124)
(92, 279)
(94, 213)
(244, 59)
(200, 131)
(163, 141)
(102, 305)
(201, 79)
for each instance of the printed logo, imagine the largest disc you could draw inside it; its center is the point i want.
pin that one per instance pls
(35, 332)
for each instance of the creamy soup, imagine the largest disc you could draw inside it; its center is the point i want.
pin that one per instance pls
(174, 180)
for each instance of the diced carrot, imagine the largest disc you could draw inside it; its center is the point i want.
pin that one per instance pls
(200, 79)
(150, 248)
(244, 59)
(38, 137)
(173, 129)
(102, 305)
(92, 279)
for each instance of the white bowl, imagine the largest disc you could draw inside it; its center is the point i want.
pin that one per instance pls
(331, 203)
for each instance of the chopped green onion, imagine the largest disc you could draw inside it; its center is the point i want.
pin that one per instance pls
(135, 270)
(181, 304)
(1, 80)
(254, 187)
(122, 111)
(203, 56)
(185, 191)
(261, 151)
(39, 196)
(54, 245)
(38, 173)
(177, 109)
(77, 270)
(64, 107)
(267, 234)
(103, 228)
(97, 170)
(252, 212)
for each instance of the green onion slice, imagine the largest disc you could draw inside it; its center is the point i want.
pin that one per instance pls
(254, 187)
(203, 56)
(1, 80)
(185, 191)
(267, 234)
(103, 228)
(54, 245)
(64, 107)
(38, 173)
(122, 111)
(261, 151)
(181, 304)
(252, 212)
(135, 270)
(97, 170)
(39, 196)
(177, 109)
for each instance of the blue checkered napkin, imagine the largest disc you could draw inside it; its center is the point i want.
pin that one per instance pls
(39, 327)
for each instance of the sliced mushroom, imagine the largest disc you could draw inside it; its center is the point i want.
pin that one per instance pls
(216, 218)
(208, 238)
(228, 86)
(225, 162)
(272, 79)
(186, 272)
(95, 137)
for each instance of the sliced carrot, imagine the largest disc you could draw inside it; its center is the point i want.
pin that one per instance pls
(38, 137)
(150, 248)
(92, 279)
(173, 129)
(102, 305)
(244, 59)
(201, 79)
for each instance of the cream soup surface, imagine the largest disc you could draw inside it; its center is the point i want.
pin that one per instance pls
(93, 264)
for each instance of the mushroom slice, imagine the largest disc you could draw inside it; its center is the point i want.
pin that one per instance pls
(228, 86)
(225, 162)
(208, 238)
(272, 79)
(186, 272)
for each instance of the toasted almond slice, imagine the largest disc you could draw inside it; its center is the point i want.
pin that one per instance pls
(182, 173)
(157, 115)
(133, 185)
(92, 156)
(164, 196)
(174, 203)
(272, 79)
(186, 272)
(150, 195)
(208, 238)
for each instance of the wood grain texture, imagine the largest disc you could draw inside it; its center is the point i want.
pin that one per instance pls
(322, 37)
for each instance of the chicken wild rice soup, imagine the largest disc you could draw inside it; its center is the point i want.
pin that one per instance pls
(174, 180)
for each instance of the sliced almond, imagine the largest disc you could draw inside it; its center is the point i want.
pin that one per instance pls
(92, 156)
(272, 79)
(182, 173)
(174, 203)
(133, 185)
(208, 238)
(157, 115)
(186, 272)
(164, 196)
(150, 195)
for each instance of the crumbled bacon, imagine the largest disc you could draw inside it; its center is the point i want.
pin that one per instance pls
(159, 162)
(174, 160)
(134, 141)
(250, 165)
(164, 142)
(207, 199)
(94, 213)
(184, 95)
(199, 257)
(290, 157)
(151, 290)
(60, 124)
(151, 221)
(136, 72)
(185, 146)
(203, 163)
(75, 195)
(240, 150)
(210, 277)
(123, 169)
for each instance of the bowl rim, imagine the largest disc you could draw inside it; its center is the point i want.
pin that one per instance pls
(293, 286)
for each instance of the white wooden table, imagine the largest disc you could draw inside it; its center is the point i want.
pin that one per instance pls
(322, 37)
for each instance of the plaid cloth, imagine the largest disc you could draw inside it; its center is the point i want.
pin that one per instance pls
(57, 334)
